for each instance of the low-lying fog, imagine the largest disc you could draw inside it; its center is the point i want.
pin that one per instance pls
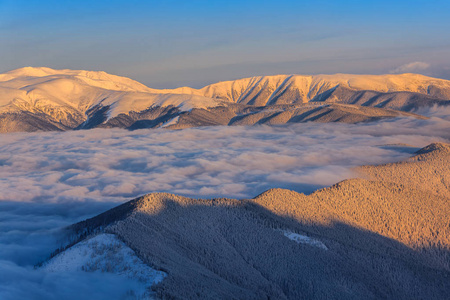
(50, 180)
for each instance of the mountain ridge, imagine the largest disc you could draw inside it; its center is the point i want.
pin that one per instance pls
(78, 99)
(379, 238)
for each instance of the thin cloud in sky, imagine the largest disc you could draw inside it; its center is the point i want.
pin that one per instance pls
(412, 67)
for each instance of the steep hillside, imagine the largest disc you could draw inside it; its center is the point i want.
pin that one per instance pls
(383, 237)
(289, 89)
(45, 99)
(282, 114)
(65, 99)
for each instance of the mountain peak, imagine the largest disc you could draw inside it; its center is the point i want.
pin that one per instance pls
(435, 147)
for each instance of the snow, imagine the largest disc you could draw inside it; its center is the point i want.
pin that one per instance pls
(303, 239)
(170, 122)
(92, 78)
(78, 90)
(106, 253)
(311, 86)
(127, 102)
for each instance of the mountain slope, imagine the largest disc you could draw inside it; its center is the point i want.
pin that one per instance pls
(288, 89)
(46, 99)
(282, 114)
(383, 237)
(67, 97)
(106, 254)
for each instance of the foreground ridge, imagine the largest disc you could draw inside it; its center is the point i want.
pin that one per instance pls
(386, 235)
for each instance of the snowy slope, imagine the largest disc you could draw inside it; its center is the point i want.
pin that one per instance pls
(66, 93)
(46, 99)
(83, 89)
(267, 88)
(106, 253)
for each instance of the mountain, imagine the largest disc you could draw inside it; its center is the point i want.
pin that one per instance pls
(290, 89)
(45, 99)
(385, 235)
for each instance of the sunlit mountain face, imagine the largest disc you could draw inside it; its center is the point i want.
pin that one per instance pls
(45, 99)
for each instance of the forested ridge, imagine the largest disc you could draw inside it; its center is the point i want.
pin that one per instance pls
(387, 236)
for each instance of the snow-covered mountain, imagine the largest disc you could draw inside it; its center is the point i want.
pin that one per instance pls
(385, 236)
(288, 89)
(45, 99)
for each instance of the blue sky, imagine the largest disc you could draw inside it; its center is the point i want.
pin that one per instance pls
(174, 43)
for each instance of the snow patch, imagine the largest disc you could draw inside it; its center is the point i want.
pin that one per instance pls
(303, 239)
(126, 102)
(170, 122)
(106, 253)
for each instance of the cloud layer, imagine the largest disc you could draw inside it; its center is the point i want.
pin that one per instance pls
(115, 165)
(50, 180)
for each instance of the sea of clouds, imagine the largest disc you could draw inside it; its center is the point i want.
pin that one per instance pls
(51, 180)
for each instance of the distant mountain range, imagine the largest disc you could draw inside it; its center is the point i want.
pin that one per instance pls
(34, 99)
(383, 237)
